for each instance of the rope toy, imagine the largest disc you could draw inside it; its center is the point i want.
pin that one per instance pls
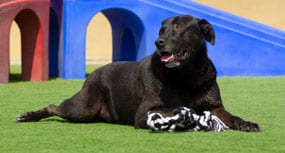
(185, 119)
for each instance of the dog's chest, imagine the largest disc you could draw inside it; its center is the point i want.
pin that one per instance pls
(177, 97)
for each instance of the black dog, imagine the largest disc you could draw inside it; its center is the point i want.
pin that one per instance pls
(179, 73)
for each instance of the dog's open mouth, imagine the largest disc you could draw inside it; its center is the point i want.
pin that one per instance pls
(173, 59)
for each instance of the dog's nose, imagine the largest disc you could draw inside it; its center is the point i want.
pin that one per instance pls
(160, 42)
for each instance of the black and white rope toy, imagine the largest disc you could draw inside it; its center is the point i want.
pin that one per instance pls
(185, 119)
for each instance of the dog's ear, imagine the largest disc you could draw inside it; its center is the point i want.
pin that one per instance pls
(207, 30)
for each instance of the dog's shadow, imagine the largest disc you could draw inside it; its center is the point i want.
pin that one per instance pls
(54, 120)
(58, 120)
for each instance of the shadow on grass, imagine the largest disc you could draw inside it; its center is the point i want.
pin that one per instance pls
(54, 120)
(59, 120)
(15, 75)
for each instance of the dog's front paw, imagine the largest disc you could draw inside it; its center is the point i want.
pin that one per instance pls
(26, 117)
(248, 126)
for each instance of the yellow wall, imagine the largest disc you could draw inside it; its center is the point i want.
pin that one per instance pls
(270, 12)
(99, 39)
(15, 44)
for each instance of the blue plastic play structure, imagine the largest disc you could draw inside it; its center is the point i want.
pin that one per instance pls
(243, 47)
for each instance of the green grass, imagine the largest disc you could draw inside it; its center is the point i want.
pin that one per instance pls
(259, 99)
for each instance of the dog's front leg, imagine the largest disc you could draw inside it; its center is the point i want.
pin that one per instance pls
(141, 115)
(235, 122)
(150, 106)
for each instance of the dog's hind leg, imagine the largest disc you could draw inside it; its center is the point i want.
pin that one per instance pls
(87, 105)
(79, 108)
(48, 111)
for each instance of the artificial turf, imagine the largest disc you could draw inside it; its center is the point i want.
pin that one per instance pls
(258, 99)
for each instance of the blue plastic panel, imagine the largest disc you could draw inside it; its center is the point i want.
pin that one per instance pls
(243, 47)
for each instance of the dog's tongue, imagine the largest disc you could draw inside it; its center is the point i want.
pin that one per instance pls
(167, 58)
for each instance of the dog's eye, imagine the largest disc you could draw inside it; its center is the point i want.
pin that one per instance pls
(161, 31)
(177, 27)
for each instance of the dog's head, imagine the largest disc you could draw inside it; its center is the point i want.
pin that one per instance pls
(181, 37)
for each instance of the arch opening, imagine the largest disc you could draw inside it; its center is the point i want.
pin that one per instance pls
(114, 35)
(31, 44)
(128, 34)
(98, 50)
(98, 41)
(15, 52)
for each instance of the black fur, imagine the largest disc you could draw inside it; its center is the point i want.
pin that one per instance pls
(179, 73)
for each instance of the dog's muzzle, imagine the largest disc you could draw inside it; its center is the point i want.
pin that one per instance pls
(173, 59)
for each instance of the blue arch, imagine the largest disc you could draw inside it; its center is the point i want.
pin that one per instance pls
(128, 34)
